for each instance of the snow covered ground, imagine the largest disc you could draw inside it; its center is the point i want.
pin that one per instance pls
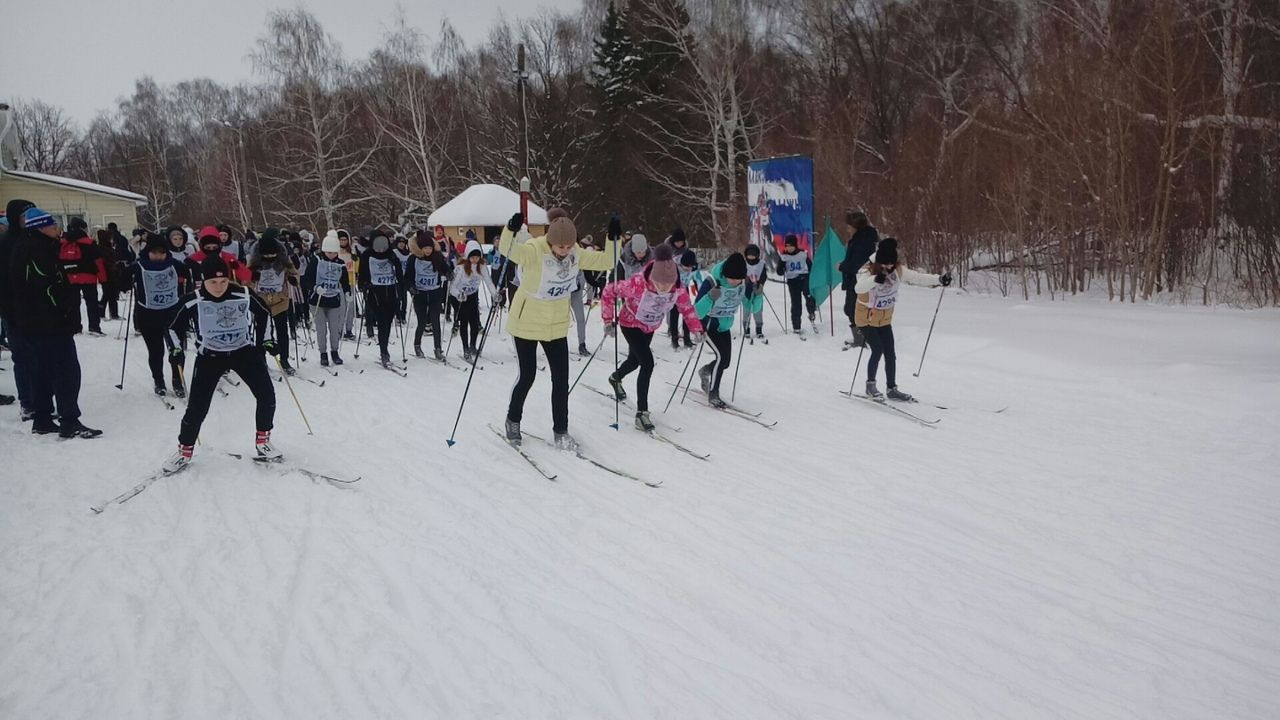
(1104, 548)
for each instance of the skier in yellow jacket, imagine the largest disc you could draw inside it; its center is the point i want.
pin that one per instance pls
(539, 313)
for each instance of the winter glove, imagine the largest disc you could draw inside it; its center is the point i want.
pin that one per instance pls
(515, 222)
(715, 293)
(945, 280)
(270, 347)
(177, 356)
(615, 228)
(880, 277)
(611, 330)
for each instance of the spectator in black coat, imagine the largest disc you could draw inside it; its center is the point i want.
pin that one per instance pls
(858, 251)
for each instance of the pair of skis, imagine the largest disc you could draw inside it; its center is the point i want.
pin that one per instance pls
(729, 409)
(148, 481)
(577, 453)
(884, 405)
(660, 437)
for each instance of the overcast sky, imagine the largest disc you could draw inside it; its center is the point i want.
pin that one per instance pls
(84, 54)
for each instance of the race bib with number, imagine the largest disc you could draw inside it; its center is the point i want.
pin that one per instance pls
(727, 305)
(381, 272)
(329, 277)
(159, 288)
(270, 281)
(558, 278)
(425, 277)
(884, 295)
(225, 326)
(653, 307)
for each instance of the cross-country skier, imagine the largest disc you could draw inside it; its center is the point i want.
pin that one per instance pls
(753, 296)
(471, 273)
(159, 282)
(425, 275)
(646, 299)
(719, 298)
(348, 257)
(211, 246)
(540, 310)
(402, 253)
(877, 289)
(232, 334)
(327, 286)
(178, 245)
(380, 279)
(273, 277)
(795, 265)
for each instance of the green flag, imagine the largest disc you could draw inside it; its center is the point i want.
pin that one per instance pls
(826, 259)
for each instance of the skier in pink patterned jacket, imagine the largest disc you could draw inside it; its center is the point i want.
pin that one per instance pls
(646, 299)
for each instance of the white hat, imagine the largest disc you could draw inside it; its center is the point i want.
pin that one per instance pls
(330, 243)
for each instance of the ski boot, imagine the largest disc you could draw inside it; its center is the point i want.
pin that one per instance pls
(179, 460)
(466, 355)
(513, 432)
(324, 359)
(336, 360)
(160, 389)
(675, 343)
(896, 394)
(873, 392)
(619, 391)
(179, 390)
(713, 399)
(385, 359)
(28, 414)
(583, 351)
(688, 343)
(643, 422)
(349, 336)
(417, 351)
(7, 399)
(44, 427)
(813, 317)
(262, 445)
(564, 441)
(288, 369)
(440, 355)
(704, 377)
(76, 429)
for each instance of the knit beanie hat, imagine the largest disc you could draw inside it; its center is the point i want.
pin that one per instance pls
(473, 248)
(689, 258)
(752, 250)
(663, 270)
(208, 232)
(887, 252)
(269, 243)
(155, 242)
(562, 233)
(214, 267)
(677, 235)
(791, 241)
(342, 234)
(734, 267)
(35, 218)
(639, 244)
(380, 243)
(556, 212)
(330, 243)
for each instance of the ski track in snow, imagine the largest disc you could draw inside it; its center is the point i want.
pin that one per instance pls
(1103, 549)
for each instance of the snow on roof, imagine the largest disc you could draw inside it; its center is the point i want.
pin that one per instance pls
(481, 205)
(78, 185)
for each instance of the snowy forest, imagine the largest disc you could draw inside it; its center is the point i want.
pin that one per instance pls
(1123, 147)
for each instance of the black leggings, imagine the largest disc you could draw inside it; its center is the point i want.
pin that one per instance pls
(92, 308)
(799, 287)
(673, 324)
(426, 306)
(250, 364)
(880, 340)
(722, 345)
(557, 352)
(282, 335)
(468, 321)
(639, 355)
(158, 343)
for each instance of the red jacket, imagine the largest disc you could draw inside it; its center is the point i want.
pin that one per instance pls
(81, 261)
(241, 273)
(643, 307)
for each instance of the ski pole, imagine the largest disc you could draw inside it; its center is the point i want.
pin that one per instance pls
(484, 335)
(680, 380)
(775, 312)
(404, 358)
(930, 335)
(586, 365)
(617, 404)
(738, 366)
(689, 384)
(452, 327)
(296, 352)
(856, 367)
(360, 337)
(126, 345)
(289, 385)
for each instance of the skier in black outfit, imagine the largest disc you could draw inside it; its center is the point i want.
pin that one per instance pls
(862, 243)
(425, 274)
(8, 236)
(379, 279)
(46, 318)
(159, 282)
(794, 265)
(232, 333)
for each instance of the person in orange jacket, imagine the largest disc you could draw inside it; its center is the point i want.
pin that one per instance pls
(82, 263)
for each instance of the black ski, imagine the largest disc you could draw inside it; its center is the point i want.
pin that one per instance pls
(136, 490)
(527, 457)
(290, 467)
(607, 468)
(627, 403)
(691, 453)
